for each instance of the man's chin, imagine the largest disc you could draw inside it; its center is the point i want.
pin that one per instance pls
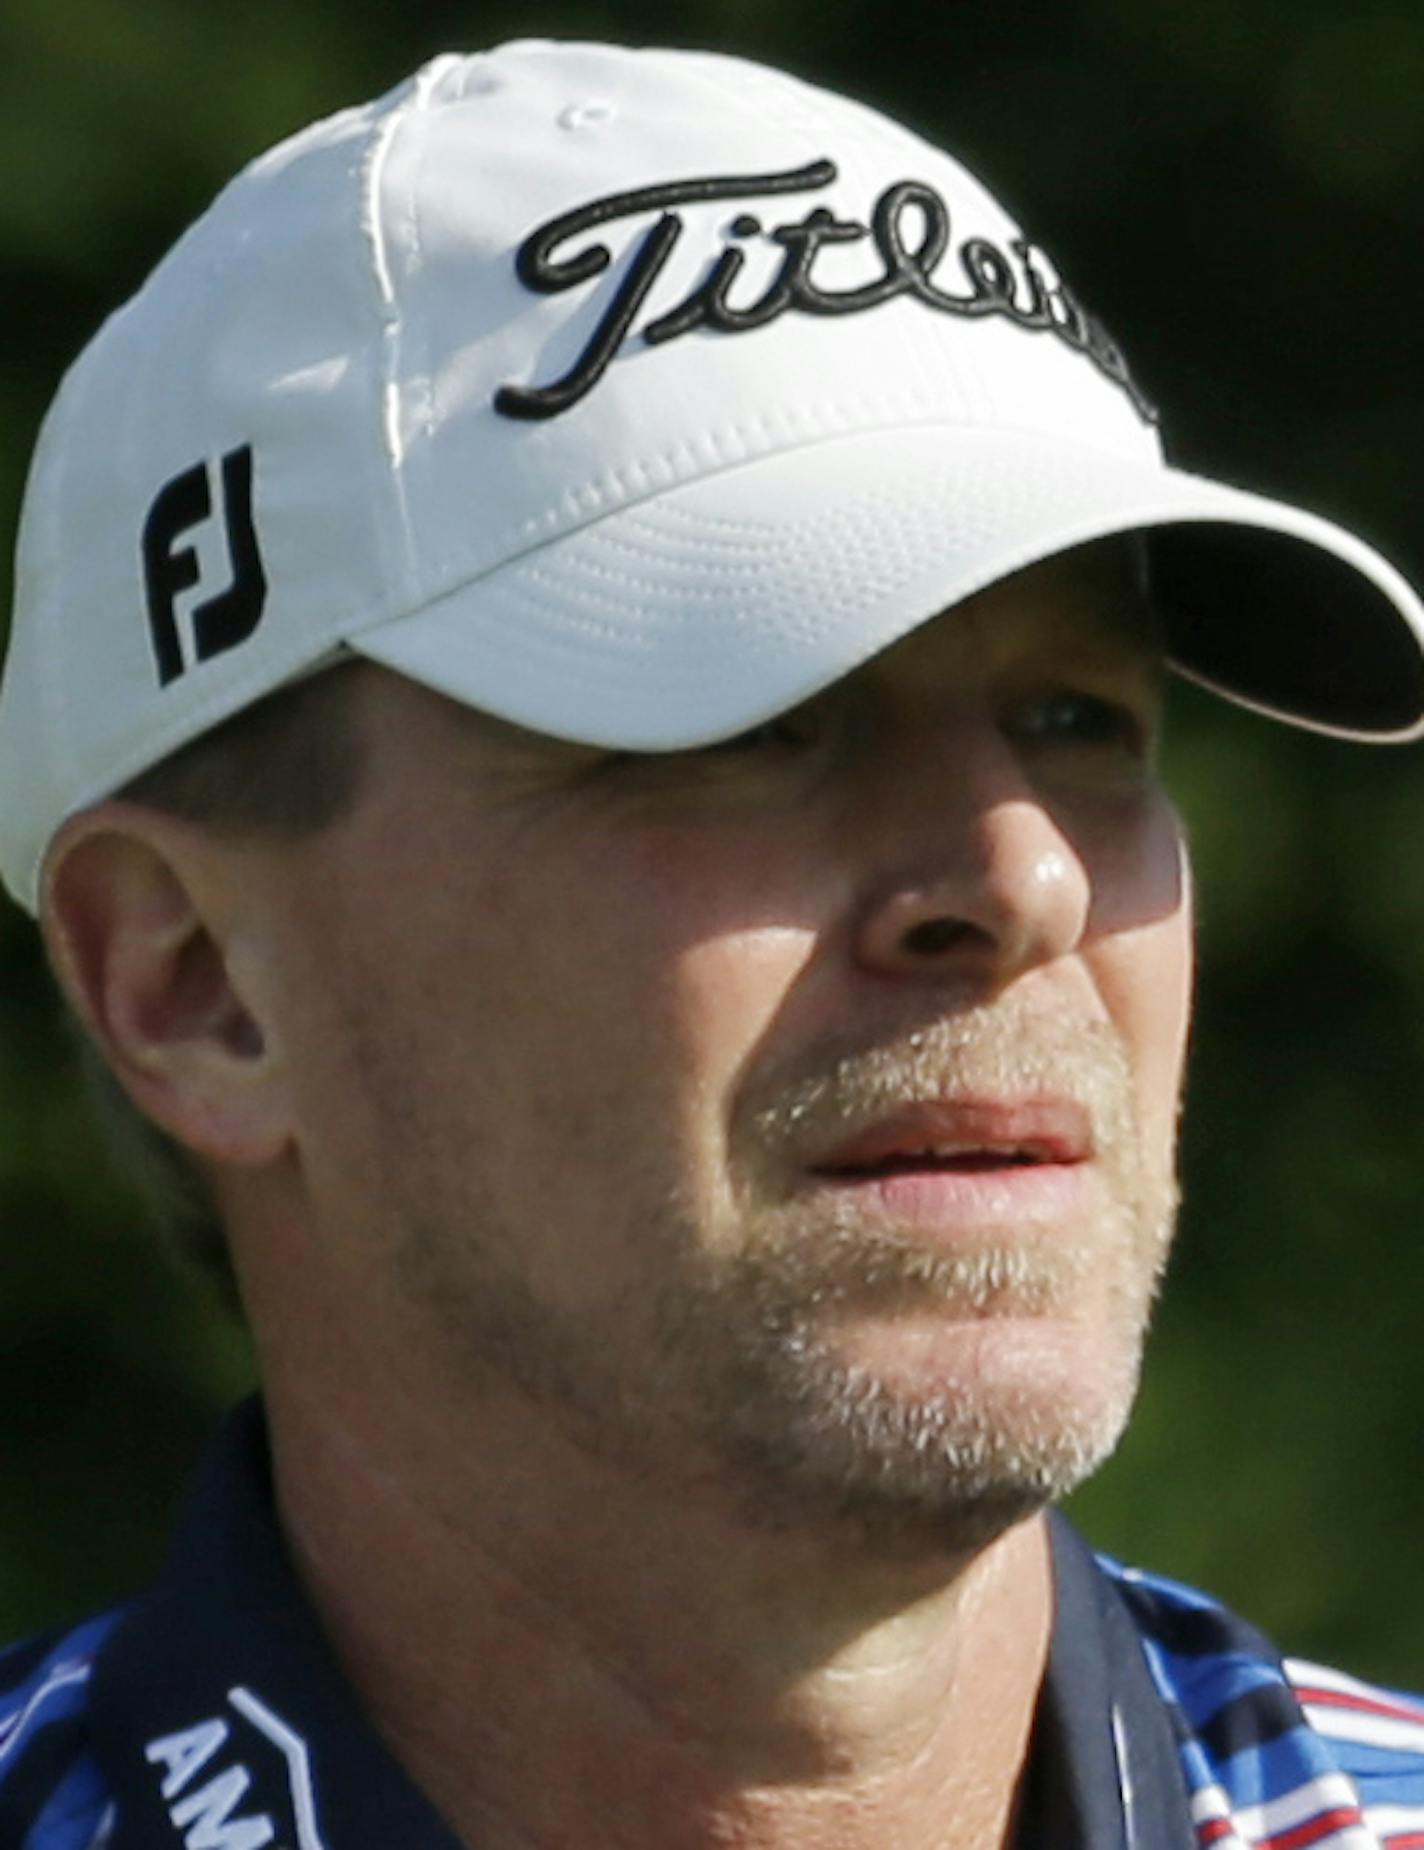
(947, 1438)
(939, 1357)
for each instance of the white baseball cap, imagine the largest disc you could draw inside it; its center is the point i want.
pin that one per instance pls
(632, 396)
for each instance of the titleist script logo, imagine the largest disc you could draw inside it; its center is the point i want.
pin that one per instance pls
(230, 616)
(909, 227)
(238, 1781)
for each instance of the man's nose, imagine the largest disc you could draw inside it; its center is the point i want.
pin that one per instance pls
(987, 886)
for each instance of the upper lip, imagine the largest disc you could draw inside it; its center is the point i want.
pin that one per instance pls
(1042, 1130)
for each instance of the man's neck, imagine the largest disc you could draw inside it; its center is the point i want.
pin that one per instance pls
(550, 1655)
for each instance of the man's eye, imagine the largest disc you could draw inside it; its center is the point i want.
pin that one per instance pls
(1083, 719)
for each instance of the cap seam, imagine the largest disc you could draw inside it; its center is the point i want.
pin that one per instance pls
(373, 174)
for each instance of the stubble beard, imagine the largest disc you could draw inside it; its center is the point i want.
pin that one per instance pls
(743, 1361)
(956, 1458)
(964, 1454)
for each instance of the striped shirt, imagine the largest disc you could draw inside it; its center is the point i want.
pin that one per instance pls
(210, 1715)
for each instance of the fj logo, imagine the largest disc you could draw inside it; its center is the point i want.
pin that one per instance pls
(224, 1792)
(172, 564)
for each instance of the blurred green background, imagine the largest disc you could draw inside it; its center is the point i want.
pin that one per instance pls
(1237, 187)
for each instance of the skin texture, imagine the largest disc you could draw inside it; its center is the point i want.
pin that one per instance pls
(643, 1448)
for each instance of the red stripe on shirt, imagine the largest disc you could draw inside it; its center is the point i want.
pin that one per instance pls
(1324, 1824)
(1367, 1705)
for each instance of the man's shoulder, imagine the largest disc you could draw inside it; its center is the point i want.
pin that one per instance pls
(52, 1795)
(1276, 1749)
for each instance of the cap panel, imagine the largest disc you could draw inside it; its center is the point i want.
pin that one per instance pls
(189, 467)
(591, 127)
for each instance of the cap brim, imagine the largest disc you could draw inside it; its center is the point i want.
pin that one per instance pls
(702, 610)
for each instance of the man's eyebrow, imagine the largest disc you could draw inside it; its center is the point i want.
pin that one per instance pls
(1136, 619)
(1119, 601)
(1118, 621)
(1130, 607)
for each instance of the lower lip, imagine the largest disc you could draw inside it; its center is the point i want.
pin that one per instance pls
(953, 1200)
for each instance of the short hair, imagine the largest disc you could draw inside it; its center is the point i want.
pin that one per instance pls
(286, 767)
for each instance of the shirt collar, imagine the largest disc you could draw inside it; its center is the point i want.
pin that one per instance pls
(1104, 1772)
(218, 1697)
(220, 1715)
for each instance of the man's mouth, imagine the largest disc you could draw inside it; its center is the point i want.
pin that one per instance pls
(960, 1162)
(964, 1206)
(963, 1137)
(953, 1169)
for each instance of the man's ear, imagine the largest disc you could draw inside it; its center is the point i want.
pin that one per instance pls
(142, 942)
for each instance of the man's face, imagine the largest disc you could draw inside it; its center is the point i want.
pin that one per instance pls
(799, 1109)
